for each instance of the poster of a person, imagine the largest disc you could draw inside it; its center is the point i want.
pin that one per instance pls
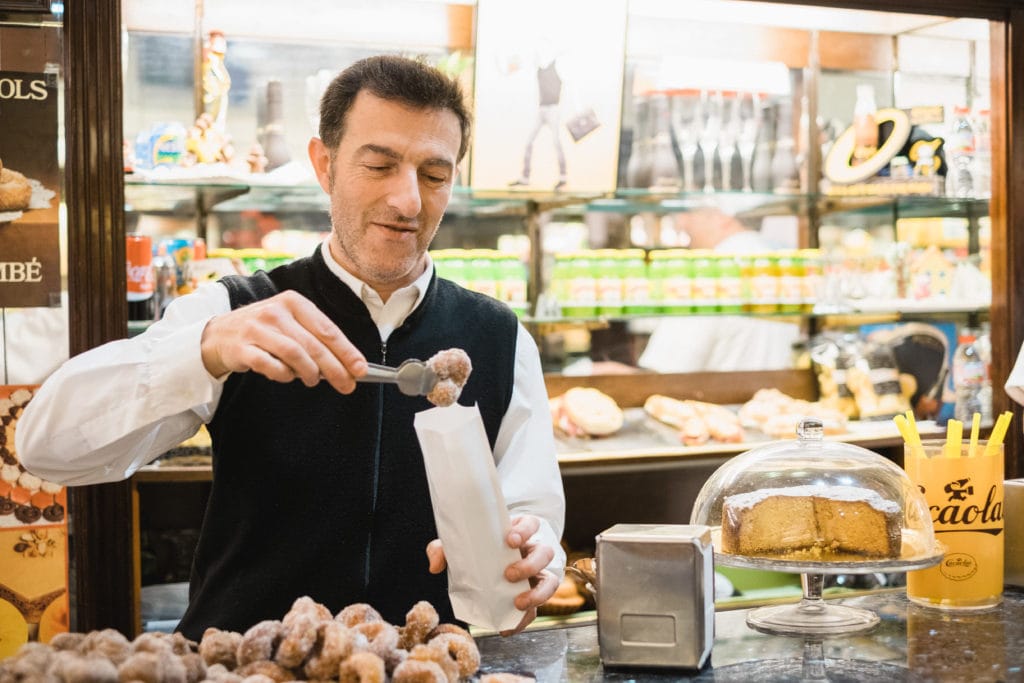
(547, 96)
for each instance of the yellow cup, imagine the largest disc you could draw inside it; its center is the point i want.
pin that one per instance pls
(965, 498)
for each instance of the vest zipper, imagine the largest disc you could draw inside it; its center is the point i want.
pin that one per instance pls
(376, 468)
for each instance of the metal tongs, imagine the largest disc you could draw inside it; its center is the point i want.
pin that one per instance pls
(413, 377)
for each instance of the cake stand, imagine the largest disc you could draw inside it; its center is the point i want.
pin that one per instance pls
(813, 616)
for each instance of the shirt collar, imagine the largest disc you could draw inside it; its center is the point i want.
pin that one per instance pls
(365, 291)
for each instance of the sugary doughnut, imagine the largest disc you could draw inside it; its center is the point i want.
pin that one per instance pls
(15, 191)
(419, 621)
(394, 658)
(451, 364)
(259, 642)
(151, 642)
(195, 667)
(309, 607)
(334, 643)
(108, 643)
(382, 637)
(444, 393)
(68, 640)
(452, 367)
(299, 637)
(448, 628)
(72, 667)
(439, 656)
(257, 678)
(271, 670)
(463, 650)
(218, 673)
(153, 667)
(362, 667)
(358, 613)
(220, 647)
(29, 663)
(419, 671)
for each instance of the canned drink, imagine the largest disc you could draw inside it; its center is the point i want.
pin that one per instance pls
(141, 281)
(179, 250)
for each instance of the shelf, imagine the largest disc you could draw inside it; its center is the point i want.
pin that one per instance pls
(650, 449)
(239, 193)
(897, 309)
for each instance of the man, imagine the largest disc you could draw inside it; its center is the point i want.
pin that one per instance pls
(319, 487)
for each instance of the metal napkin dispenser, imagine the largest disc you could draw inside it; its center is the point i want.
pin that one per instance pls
(656, 597)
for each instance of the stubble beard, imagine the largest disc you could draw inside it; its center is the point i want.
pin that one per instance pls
(373, 264)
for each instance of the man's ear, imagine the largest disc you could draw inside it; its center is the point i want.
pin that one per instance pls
(320, 157)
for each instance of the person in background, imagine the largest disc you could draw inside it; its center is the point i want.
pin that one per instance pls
(319, 487)
(719, 343)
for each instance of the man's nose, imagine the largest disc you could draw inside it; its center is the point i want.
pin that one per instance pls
(404, 194)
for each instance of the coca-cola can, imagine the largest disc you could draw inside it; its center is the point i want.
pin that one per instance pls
(141, 282)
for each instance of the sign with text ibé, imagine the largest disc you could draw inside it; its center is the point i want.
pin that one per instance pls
(29, 190)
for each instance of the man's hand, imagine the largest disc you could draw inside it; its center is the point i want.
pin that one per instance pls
(532, 566)
(283, 338)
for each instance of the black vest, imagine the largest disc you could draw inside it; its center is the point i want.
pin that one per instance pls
(322, 494)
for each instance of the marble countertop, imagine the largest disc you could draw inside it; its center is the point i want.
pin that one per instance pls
(910, 643)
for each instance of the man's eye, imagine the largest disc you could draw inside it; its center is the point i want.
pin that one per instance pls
(436, 179)
(376, 169)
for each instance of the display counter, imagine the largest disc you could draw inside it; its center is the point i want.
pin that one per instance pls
(910, 643)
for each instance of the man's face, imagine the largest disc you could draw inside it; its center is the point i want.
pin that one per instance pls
(390, 180)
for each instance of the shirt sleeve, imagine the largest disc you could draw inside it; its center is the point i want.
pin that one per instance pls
(1015, 382)
(525, 452)
(108, 411)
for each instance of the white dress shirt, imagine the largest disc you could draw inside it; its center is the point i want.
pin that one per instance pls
(107, 412)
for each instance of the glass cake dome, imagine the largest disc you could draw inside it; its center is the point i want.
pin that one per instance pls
(815, 507)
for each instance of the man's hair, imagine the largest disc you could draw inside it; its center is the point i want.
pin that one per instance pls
(411, 82)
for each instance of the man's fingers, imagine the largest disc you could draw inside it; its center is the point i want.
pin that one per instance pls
(523, 528)
(545, 586)
(285, 337)
(535, 558)
(337, 345)
(435, 555)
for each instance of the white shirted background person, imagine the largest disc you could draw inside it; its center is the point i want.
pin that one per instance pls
(719, 343)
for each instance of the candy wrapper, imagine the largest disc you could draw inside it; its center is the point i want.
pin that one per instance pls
(471, 517)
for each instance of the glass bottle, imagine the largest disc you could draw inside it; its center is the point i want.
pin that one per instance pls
(761, 167)
(638, 169)
(271, 136)
(785, 173)
(664, 165)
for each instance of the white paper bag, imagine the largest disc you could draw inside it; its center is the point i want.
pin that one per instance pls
(470, 514)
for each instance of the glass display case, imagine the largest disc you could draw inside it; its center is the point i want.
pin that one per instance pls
(729, 106)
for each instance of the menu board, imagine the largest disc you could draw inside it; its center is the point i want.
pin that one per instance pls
(33, 541)
(548, 95)
(29, 190)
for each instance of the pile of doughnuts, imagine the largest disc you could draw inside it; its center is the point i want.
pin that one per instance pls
(15, 190)
(452, 367)
(309, 643)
